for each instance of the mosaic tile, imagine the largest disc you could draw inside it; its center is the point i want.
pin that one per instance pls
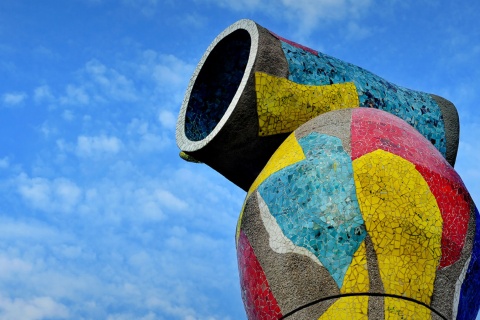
(307, 278)
(373, 129)
(314, 203)
(288, 153)
(278, 242)
(283, 105)
(348, 308)
(403, 309)
(260, 304)
(417, 108)
(294, 44)
(413, 205)
(403, 221)
(469, 302)
(357, 278)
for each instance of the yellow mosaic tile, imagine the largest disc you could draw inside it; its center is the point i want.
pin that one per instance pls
(347, 308)
(403, 219)
(356, 279)
(239, 222)
(287, 154)
(283, 105)
(399, 309)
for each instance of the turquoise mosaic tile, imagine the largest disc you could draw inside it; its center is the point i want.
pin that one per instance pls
(417, 108)
(315, 204)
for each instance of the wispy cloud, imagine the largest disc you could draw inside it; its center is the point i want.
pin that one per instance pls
(58, 195)
(167, 119)
(304, 16)
(356, 31)
(36, 308)
(146, 7)
(98, 84)
(88, 146)
(42, 94)
(13, 99)
(4, 163)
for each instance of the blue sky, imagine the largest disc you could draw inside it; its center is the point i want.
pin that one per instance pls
(99, 217)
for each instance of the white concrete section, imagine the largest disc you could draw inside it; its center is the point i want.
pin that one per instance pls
(183, 142)
(458, 288)
(277, 240)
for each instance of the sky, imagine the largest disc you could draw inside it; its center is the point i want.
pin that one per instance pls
(99, 217)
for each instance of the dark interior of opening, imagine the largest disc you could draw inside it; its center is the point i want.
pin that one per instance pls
(216, 84)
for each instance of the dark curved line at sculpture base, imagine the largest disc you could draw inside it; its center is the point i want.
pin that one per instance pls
(360, 294)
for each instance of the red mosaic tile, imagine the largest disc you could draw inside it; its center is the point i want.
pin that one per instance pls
(260, 304)
(297, 45)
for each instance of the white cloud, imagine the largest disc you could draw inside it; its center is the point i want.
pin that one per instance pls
(110, 82)
(75, 95)
(58, 195)
(357, 32)
(42, 93)
(169, 74)
(97, 83)
(129, 316)
(303, 15)
(167, 119)
(170, 71)
(67, 115)
(13, 267)
(146, 7)
(88, 146)
(4, 163)
(145, 137)
(11, 229)
(48, 130)
(193, 21)
(150, 142)
(170, 201)
(32, 309)
(13, 99)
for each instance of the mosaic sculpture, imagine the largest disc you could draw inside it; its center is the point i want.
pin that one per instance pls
(353, 208)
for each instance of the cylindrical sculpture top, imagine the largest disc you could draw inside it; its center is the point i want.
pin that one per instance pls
(252, 88)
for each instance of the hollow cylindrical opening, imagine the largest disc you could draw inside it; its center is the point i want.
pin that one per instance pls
(216, 84)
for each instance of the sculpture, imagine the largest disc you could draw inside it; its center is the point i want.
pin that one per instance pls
(353, 208)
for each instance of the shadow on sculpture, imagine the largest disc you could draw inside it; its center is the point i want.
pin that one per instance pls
(353, 208)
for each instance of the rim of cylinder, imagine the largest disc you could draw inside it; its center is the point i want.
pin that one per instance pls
(183, 142)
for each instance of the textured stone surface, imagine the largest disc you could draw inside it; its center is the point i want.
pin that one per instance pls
(452, 127)
(335, 124)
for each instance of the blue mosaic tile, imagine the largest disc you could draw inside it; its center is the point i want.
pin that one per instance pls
(469, 304)
(417, 108)
(315, 204)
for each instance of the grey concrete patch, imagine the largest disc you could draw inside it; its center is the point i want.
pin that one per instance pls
(452, 127)
(334, 123)
(376, 305)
